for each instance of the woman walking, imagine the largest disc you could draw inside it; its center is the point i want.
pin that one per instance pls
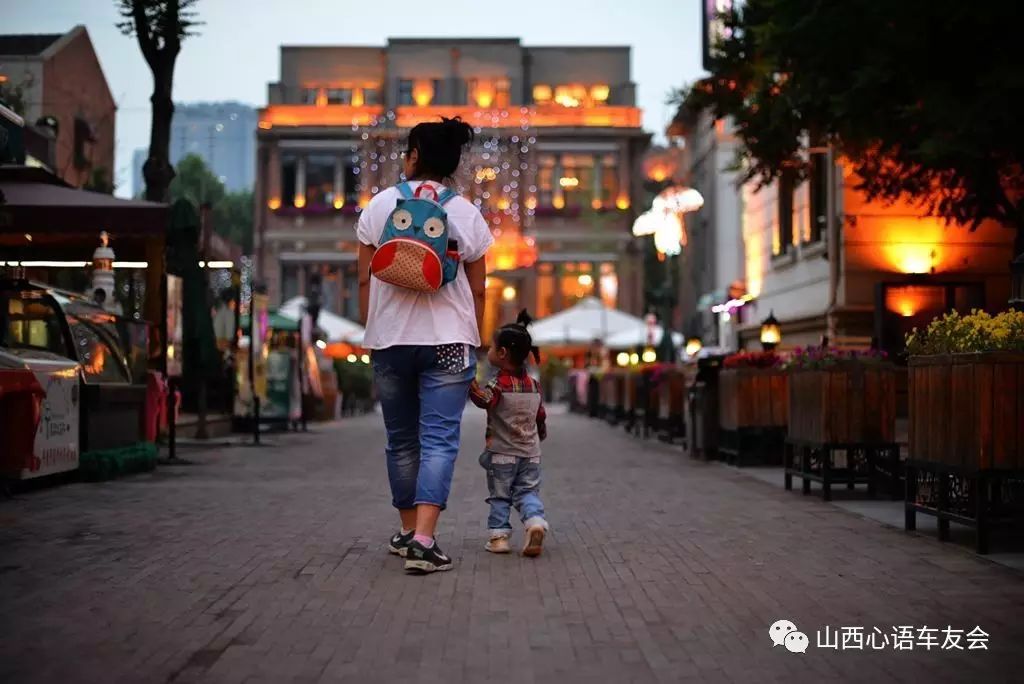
(423, 316)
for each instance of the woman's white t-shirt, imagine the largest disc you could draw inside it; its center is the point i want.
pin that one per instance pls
(400, 316)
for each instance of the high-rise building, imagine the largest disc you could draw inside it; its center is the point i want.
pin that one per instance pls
(552, 169)
(222, 133)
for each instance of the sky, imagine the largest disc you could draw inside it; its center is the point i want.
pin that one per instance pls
(236, 52)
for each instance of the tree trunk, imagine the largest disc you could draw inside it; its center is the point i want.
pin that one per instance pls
(157, 170)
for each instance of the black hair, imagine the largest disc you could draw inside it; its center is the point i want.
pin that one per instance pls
(439, 146)
(516, 339)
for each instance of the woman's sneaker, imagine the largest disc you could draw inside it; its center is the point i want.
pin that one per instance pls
(534, 541)
(400, 542)
(422, 560)
(498, 544)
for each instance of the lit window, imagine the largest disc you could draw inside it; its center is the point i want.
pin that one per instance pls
(309, 95)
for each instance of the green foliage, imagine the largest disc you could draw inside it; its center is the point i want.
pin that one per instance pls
(919, 94)
(158, 22)
(976, 332)
(232, 212)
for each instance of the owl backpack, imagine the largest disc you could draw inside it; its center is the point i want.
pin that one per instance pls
(415, 251)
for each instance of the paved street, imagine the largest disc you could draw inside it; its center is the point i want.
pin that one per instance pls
(268, 565)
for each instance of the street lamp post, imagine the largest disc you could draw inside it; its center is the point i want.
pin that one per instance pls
(771, 333)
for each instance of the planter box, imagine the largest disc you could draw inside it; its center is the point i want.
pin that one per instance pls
(752, 398)
(850, 403)
(967, 410)
(671, 388)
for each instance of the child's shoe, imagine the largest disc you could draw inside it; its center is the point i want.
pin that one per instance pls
(498, 544)
(534, 540)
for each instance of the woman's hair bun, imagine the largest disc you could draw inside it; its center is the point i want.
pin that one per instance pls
(457, 131)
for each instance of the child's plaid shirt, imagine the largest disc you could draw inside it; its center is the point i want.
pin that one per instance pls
(516, 420)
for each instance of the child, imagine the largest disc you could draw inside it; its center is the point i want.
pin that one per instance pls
(515, 429)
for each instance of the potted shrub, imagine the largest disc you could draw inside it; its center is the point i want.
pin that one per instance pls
(966, 387)
(966, 401)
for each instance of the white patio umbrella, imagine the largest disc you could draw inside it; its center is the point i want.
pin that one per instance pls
(637, 337)
(582, 323)
(338, 329)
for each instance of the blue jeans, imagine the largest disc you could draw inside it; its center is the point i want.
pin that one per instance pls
(512, 481)
(422, 406)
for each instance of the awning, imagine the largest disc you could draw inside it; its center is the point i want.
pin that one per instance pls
(587, 321)
(338, 329)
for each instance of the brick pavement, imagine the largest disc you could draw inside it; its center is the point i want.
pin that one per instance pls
(268, 565)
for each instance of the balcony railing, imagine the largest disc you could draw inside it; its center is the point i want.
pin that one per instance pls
(540, 116)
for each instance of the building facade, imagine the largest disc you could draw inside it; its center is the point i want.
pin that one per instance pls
(222, 133)
(894, 268)
(552, 168)
(714, 261)
(59, 76)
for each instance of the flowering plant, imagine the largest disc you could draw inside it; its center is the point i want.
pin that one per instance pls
(975, 332)
(825, 357)
(755, 359)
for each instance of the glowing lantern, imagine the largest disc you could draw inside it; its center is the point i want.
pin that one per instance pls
(669, 238)
(661, 163)
(531, 203)
(484, 95)
(422, 92)
(599, 93)
(569, 181)
(508, 293)
(693, 346)
(564, 97)
(596, 203)
(339, 202)
(622, 359)
(664, 220)
(541, 94)
(510, 252)
(622, 203)
(299, 201)
(274, 203)
(321, 98)
(558, 202)
(679, 200)
(771, 333)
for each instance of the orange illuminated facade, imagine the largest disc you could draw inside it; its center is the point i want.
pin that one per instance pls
(553, 168)
(897, 267)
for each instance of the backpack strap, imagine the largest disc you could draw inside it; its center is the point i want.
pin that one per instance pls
(405, 190)
(446, 195)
